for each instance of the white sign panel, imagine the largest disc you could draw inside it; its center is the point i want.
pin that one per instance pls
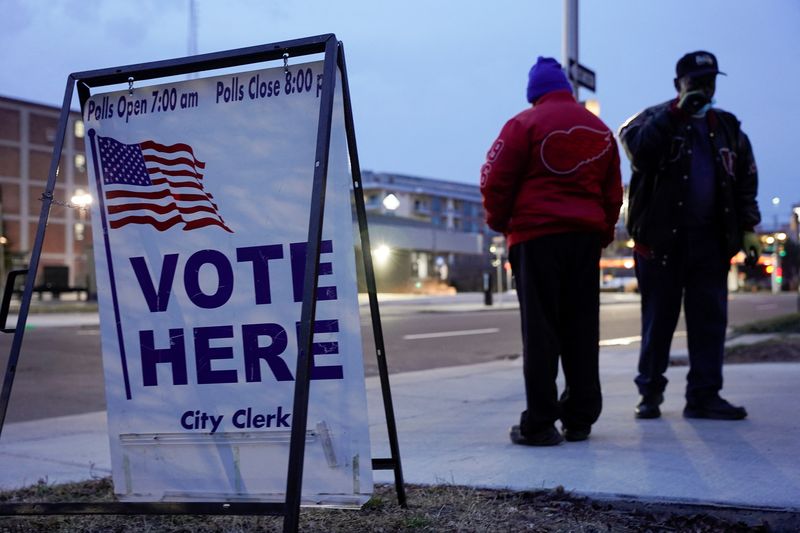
(203, 188)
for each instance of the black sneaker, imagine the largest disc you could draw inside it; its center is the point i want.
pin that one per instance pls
(715, 408)
(545, 437)
(648, 406)
(576, 434)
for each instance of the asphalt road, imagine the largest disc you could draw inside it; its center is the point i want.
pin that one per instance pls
(416, 339)
(60, 369)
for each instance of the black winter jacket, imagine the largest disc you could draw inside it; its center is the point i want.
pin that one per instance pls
(658, 142)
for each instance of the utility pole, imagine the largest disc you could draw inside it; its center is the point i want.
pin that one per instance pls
(192, 48)
(192, 41)
(569, 48)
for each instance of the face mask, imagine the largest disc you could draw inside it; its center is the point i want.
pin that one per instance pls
(703, 110)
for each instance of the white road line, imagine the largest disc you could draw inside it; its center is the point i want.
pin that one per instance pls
(625, 341)
(620, 341)
(439, 334)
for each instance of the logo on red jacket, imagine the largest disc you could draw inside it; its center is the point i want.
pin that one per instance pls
(564, 152)
(728, 159)
(494, 151)
(486, 169)
(491, 157)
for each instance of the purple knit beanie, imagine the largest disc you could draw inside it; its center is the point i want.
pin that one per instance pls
(546, 76)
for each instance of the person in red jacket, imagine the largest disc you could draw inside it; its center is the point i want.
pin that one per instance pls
(551, 183)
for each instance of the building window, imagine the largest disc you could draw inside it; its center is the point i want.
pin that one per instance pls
(80, 163)
(79, 129)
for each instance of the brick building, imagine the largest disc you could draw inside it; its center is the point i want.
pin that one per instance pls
(27, 135)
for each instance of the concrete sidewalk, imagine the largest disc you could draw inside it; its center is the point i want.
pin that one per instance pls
(453, 428)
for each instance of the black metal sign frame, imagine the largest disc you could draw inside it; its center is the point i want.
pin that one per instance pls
(333, 58)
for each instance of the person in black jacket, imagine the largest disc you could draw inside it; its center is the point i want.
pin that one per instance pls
(691, 207)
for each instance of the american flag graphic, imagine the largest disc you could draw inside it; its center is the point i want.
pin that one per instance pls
(156, 184)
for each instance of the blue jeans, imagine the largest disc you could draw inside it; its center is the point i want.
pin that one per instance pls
(695, 272)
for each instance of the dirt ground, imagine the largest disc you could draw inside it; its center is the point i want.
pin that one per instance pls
(782, 349)
(439, 508)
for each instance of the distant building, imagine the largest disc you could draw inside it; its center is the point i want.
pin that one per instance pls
(27, 135)
(426, 234)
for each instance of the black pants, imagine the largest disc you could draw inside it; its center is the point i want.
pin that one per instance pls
(695, 272)
(558, 285)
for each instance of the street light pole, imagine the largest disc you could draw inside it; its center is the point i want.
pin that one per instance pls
(796, 214)
(82, 200)
(569, 48)
(498, 249)
(776, 202)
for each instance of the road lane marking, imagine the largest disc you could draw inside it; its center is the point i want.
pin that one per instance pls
(625, 341)
(620, 341)
(439, 334)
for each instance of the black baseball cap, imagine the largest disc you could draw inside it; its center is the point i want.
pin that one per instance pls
(697, 63)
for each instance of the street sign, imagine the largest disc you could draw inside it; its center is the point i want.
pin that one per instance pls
(581, 75)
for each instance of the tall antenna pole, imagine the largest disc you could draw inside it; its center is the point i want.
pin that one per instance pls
(192, 46)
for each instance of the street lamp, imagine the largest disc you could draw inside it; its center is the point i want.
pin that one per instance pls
(776, 202)
(82, 200)
(391, 202)
(381, 255)
(593, 106)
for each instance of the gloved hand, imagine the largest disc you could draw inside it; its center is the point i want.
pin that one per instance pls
(693, 101)
(751, 245)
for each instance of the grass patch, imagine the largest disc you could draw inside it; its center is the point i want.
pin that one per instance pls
(430, 508)
(783, 349)
(780, 324)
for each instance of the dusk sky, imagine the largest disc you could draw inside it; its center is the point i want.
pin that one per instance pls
(432, 82)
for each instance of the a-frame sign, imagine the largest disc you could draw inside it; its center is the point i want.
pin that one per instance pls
(189, 288)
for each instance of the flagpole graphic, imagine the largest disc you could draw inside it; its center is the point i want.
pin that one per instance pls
(112, 281)
(155, 184)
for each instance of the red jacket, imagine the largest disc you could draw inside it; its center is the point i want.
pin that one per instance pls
(553, 169)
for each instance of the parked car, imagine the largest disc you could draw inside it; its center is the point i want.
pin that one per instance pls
(619, 280)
